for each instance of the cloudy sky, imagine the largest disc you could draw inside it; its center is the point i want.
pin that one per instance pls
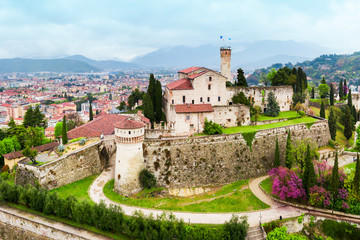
(122, 29)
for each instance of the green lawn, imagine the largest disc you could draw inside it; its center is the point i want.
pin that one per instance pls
(267, 185)
(237, 200)
(350, 167)
(77, 189)
(286, 114)
(243, 129)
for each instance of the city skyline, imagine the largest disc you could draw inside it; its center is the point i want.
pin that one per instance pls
(126, 29)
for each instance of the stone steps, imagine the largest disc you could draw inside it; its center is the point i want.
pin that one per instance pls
(254, 233)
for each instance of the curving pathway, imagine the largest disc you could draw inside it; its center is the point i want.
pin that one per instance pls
(273, 213)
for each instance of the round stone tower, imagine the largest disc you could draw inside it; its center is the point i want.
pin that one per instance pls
(225, 55)
(129, 137)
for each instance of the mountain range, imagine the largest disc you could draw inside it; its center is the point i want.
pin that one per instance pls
(249, 56)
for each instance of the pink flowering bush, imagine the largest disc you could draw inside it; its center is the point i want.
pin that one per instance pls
(286, 184)
(319, 197)
(323, 172)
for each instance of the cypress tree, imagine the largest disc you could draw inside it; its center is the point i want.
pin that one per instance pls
(289, 156)
(323, 81)
(354, 114)
(322, 110)
(356, 180)
(349, 100)
(241, 80)
(344, 88)
(348, 123)
(335, 177)
(64, 131)
(332, 124)
(313, 93)
(309, 177)
(341, 90)
(277, 154)
(151, 88)
(148, 108)
(158, 101)
(331, 95)
(91, 114)
(299, 81)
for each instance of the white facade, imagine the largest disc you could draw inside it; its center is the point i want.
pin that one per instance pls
(129, 160)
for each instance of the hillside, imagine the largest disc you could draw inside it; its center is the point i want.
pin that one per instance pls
(333, 66)
(44, 65)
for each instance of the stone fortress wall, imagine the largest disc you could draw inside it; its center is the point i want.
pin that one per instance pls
(70, 168)
(222, 159)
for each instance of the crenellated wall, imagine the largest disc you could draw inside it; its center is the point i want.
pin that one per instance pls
(221, 159)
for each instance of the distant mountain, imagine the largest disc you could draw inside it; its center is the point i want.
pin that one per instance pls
(106, 65)
(44, 65)
(247, 55)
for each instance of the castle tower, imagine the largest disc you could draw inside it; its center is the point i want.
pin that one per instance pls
(225, 55)
(129, 137)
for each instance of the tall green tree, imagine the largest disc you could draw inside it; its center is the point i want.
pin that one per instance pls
(152, 88)
(356, 181)
(91, 114)
(158, 101)
(313, 93)
(29, 117)
(348, 123)
(332, 124)
(241, 80)
(273, 108)
(289, 152)
(148, 108)
(349, 100)
(331, 95)
(110, 97)
(122, 106)
(28, 152)
(345, 88)
(322, 110)
(135, 97)
(323, 81)
(341, 90)
(335, 178)
(58, 129)
(323, 90)
(40, 120)
(64, 131)
(277, 154)
(309, 177)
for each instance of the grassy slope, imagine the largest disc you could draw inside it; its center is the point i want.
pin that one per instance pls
(238, 201)
(286, 114)
(77, 189)
(242, 129)
(266, 185)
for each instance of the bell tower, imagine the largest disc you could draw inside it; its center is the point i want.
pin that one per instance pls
(225, 68)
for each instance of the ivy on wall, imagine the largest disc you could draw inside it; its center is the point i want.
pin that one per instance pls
(249, 137)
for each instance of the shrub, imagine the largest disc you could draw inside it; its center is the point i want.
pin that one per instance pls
(5, 168)
(147, 179)
(340, 230)
(236, 228)
(82, 141)
(61, 148)
(212, 128)
(301, 113)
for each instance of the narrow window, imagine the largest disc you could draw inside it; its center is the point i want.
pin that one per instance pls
(201, 99)
(172, 101)
(187, 117)
(208, 99)
(210, 78)
(192, 101)
(219, 99)
(183, 99)
(129, 132)
(209, 87)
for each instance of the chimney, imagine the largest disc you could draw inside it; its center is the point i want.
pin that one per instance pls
(225, 68)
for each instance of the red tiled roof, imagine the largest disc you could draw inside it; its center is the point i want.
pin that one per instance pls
(193, 108)
(41, 148)
(197, 74)
(129, 124)
(182, 84)
(189, 70)
(101, 125)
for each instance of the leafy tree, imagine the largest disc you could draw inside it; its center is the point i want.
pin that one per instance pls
(64, 132)
(323, 81)
(332, 124)
(341, 90)
(16, 143)
(322, 110)
(356, 181)
(277, 154)
(323, 90)
(211, 128)
(110, 97)
(335, 178)
(300, 152)
(74, 117)
(236, 228)
(91, 114)
(158, 101)
(271, 75)
(39, 117)
(264, 79)
(331, 95)
(241, 80)
(135, 97)
(241, 98)
(348, 123)
(273, 108)
(122, 106)
(27, 152)
(147, 179)
(9, 145)
(289, 152)
(148, 108)
(29, 117)
(58, 129)
(309, 177)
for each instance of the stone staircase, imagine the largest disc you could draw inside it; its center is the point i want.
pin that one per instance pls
(255, 233)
